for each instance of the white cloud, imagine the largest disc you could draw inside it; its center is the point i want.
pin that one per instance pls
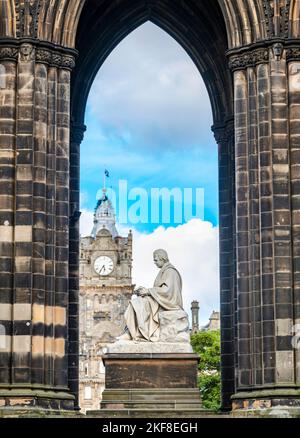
(193, 249)
(84, 197)
(149, 117)
(149, 92)
(86, 222)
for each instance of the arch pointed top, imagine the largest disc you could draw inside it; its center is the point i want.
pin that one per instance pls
(206, 30)
(198, 27)
(56, 21)
(246, 20)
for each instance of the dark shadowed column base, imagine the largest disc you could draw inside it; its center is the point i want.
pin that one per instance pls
(151, 382)
(267, 403)
(38, 413)
(30, 398)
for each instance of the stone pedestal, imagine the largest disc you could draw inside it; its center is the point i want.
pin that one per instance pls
(151, 381)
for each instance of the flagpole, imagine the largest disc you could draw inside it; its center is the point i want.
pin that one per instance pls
(106, 175)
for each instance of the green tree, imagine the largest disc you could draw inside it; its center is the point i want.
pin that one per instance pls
(207, 345)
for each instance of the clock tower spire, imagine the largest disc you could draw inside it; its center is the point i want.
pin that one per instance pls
(104, 215)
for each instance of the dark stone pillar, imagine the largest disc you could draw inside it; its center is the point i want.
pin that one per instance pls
(77, 134)
(8, 92)
(34, 227)
(224, 135)
(266, 157)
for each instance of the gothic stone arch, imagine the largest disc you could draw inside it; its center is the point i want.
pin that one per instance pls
(248, 53)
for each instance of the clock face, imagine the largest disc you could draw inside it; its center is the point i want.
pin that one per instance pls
(103, 265)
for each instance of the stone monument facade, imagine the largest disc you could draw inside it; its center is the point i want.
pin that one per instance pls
(105, 290)
(214, 322)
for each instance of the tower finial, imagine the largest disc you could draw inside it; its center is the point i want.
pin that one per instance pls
(104, 215)
(106, 175)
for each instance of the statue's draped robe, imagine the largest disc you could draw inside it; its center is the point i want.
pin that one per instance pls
(142, 314)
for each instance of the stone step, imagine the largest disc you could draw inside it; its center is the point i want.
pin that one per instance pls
(156, 413)
(153, 394)
(162, 404)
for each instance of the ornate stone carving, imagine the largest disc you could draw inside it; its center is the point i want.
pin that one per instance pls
(55, 58)
(242, 60)
(281, 15)
(248, 59)
(74, 218)
(34, 11)
(285, 13)
(27, 17)
(27, 52)
(223, 133)
(9, 54)
(269, 14)
(43, 55)
(293, 54)
(77, 133)
(220, 135)
(278, 51)
(63, 61)
(68, 62)
(19, 17)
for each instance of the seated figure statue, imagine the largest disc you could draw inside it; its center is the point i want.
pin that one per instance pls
(156, 314)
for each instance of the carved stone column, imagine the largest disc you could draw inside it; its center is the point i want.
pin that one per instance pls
(77, 134)
(266, 82)
(34, 223)
(224, 135)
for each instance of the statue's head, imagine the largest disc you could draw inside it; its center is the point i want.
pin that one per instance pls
(160, 257)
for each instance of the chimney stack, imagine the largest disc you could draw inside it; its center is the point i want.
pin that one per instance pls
(195, 316)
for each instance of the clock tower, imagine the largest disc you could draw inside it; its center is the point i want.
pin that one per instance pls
(105, 290)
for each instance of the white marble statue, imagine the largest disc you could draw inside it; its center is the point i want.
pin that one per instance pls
(156, 314)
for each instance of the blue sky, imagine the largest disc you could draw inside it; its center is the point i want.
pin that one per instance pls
(149, 117)
(149, 123)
